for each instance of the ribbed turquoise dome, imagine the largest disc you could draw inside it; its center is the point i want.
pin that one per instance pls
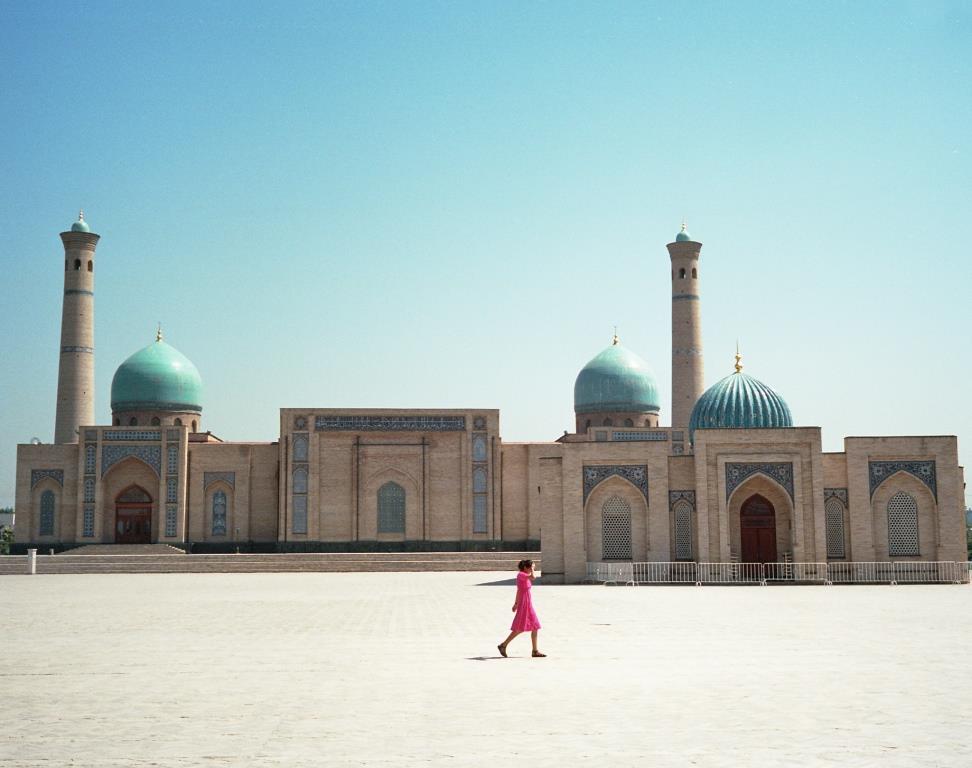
(157, 378)
(739, 401)
(617, 380)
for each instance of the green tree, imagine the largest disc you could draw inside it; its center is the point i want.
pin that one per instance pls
(6, 539)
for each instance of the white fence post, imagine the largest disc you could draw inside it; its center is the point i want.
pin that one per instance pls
(32, 561)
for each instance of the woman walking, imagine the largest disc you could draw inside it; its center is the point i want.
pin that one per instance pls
(525, 619)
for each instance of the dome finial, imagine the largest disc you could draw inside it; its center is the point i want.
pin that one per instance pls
(615, 341)
(683, 235)
(158, 333)
(684, 225)
(81, 215)
(739, 365)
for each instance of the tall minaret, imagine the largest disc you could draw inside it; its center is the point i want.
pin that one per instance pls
(75, 376)
(687, 367)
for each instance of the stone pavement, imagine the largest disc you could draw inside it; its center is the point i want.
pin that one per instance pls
(385, 669)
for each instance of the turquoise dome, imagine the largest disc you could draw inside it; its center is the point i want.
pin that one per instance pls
(739, 401)
(683, 236)
(80, 225)
(157, 378)
(617, 380)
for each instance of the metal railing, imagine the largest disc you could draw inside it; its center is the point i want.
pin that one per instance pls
(902, 572)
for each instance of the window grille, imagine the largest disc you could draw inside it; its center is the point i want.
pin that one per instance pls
(300, 480)
(834, 512)
(219, 513)
(616, 529)
(89, 459)
(89, 489)
(170, 520)
(173, 459)
(88, 523)
(391, 508)
(683, 530)
(479, 447)
(47, 514)
(172, 489)
(300, 514)
(902, 525)
(480, 517)
(300, 447)
(479, 480)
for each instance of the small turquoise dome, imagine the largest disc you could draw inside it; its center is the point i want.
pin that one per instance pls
(80, 225)
(617, 380)
(739, 401)
(157, 378)
(683, 236)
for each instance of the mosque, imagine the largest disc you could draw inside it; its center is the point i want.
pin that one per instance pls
(730, 480)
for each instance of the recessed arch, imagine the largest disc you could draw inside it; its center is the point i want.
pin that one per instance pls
(391, 508)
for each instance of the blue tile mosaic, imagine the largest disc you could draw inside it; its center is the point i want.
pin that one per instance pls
(112, 454)
(636, 474)
(879, 471)
(738, 472)
(390, 423)
(36, 475)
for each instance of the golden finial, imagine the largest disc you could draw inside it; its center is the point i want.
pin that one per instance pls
(739, 365)
(158, 333)
(615, 341)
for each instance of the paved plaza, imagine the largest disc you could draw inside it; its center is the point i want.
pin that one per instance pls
(385, 669)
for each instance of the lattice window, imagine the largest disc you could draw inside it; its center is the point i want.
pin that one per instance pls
(89, 489)
(391, 508)
(300, 480)
(87, 529)
(834, 512)
(902, 525)
(479, 480)
(47, 502)
(300, 514)
(89, 459)
(683, 530)
(480, 516)
(170, 520)
(172, 489)
(616, 529)
(479, 447)
(219, 513)
(172, 452)
(300, 447)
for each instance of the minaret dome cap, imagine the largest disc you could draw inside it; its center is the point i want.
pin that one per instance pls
(683, 236)
(80, 225)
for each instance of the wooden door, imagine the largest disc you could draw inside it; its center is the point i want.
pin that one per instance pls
(133, 517)
(757, 529)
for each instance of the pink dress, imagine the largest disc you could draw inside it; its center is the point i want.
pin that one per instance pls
(525, 619)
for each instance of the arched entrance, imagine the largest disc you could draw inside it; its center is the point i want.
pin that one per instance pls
(133, 516)
(757, 528)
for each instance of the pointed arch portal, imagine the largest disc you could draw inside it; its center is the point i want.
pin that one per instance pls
(133, 516)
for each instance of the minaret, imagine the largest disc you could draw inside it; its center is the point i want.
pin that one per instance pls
(687, 367)
(75, 376)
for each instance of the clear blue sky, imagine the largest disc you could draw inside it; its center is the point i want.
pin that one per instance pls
(452, 204)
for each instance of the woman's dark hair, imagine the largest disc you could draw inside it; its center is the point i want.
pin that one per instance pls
(524, 564)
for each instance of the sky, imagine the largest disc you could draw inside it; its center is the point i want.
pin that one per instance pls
(438, 205)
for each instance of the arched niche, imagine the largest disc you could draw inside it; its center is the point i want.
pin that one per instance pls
(905, 482)
(767, 488)
(601, 494)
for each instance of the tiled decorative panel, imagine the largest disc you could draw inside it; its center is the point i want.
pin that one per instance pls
(170, 519)
(636, 474)
(132, 435)
(738, 472)
(616, 529)
(879, 471)
(213, 477)
(674, 496)
(390, 423)
(87, 526)
(36, 475)
(479, 446)
(172, 490)
(300, 514)
(219, 514)
(172, 459)
(89, 489)
(112, 454)
(902, 526)
(90, 454)
(47, 502)
(836, 493)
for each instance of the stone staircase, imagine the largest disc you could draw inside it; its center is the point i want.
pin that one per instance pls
(108, 559)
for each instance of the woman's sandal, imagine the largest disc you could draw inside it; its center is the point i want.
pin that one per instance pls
(538, 655)
(502, 649)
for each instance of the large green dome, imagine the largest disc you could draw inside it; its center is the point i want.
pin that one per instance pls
(739, 401)
(157, 378)
(618, 381)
